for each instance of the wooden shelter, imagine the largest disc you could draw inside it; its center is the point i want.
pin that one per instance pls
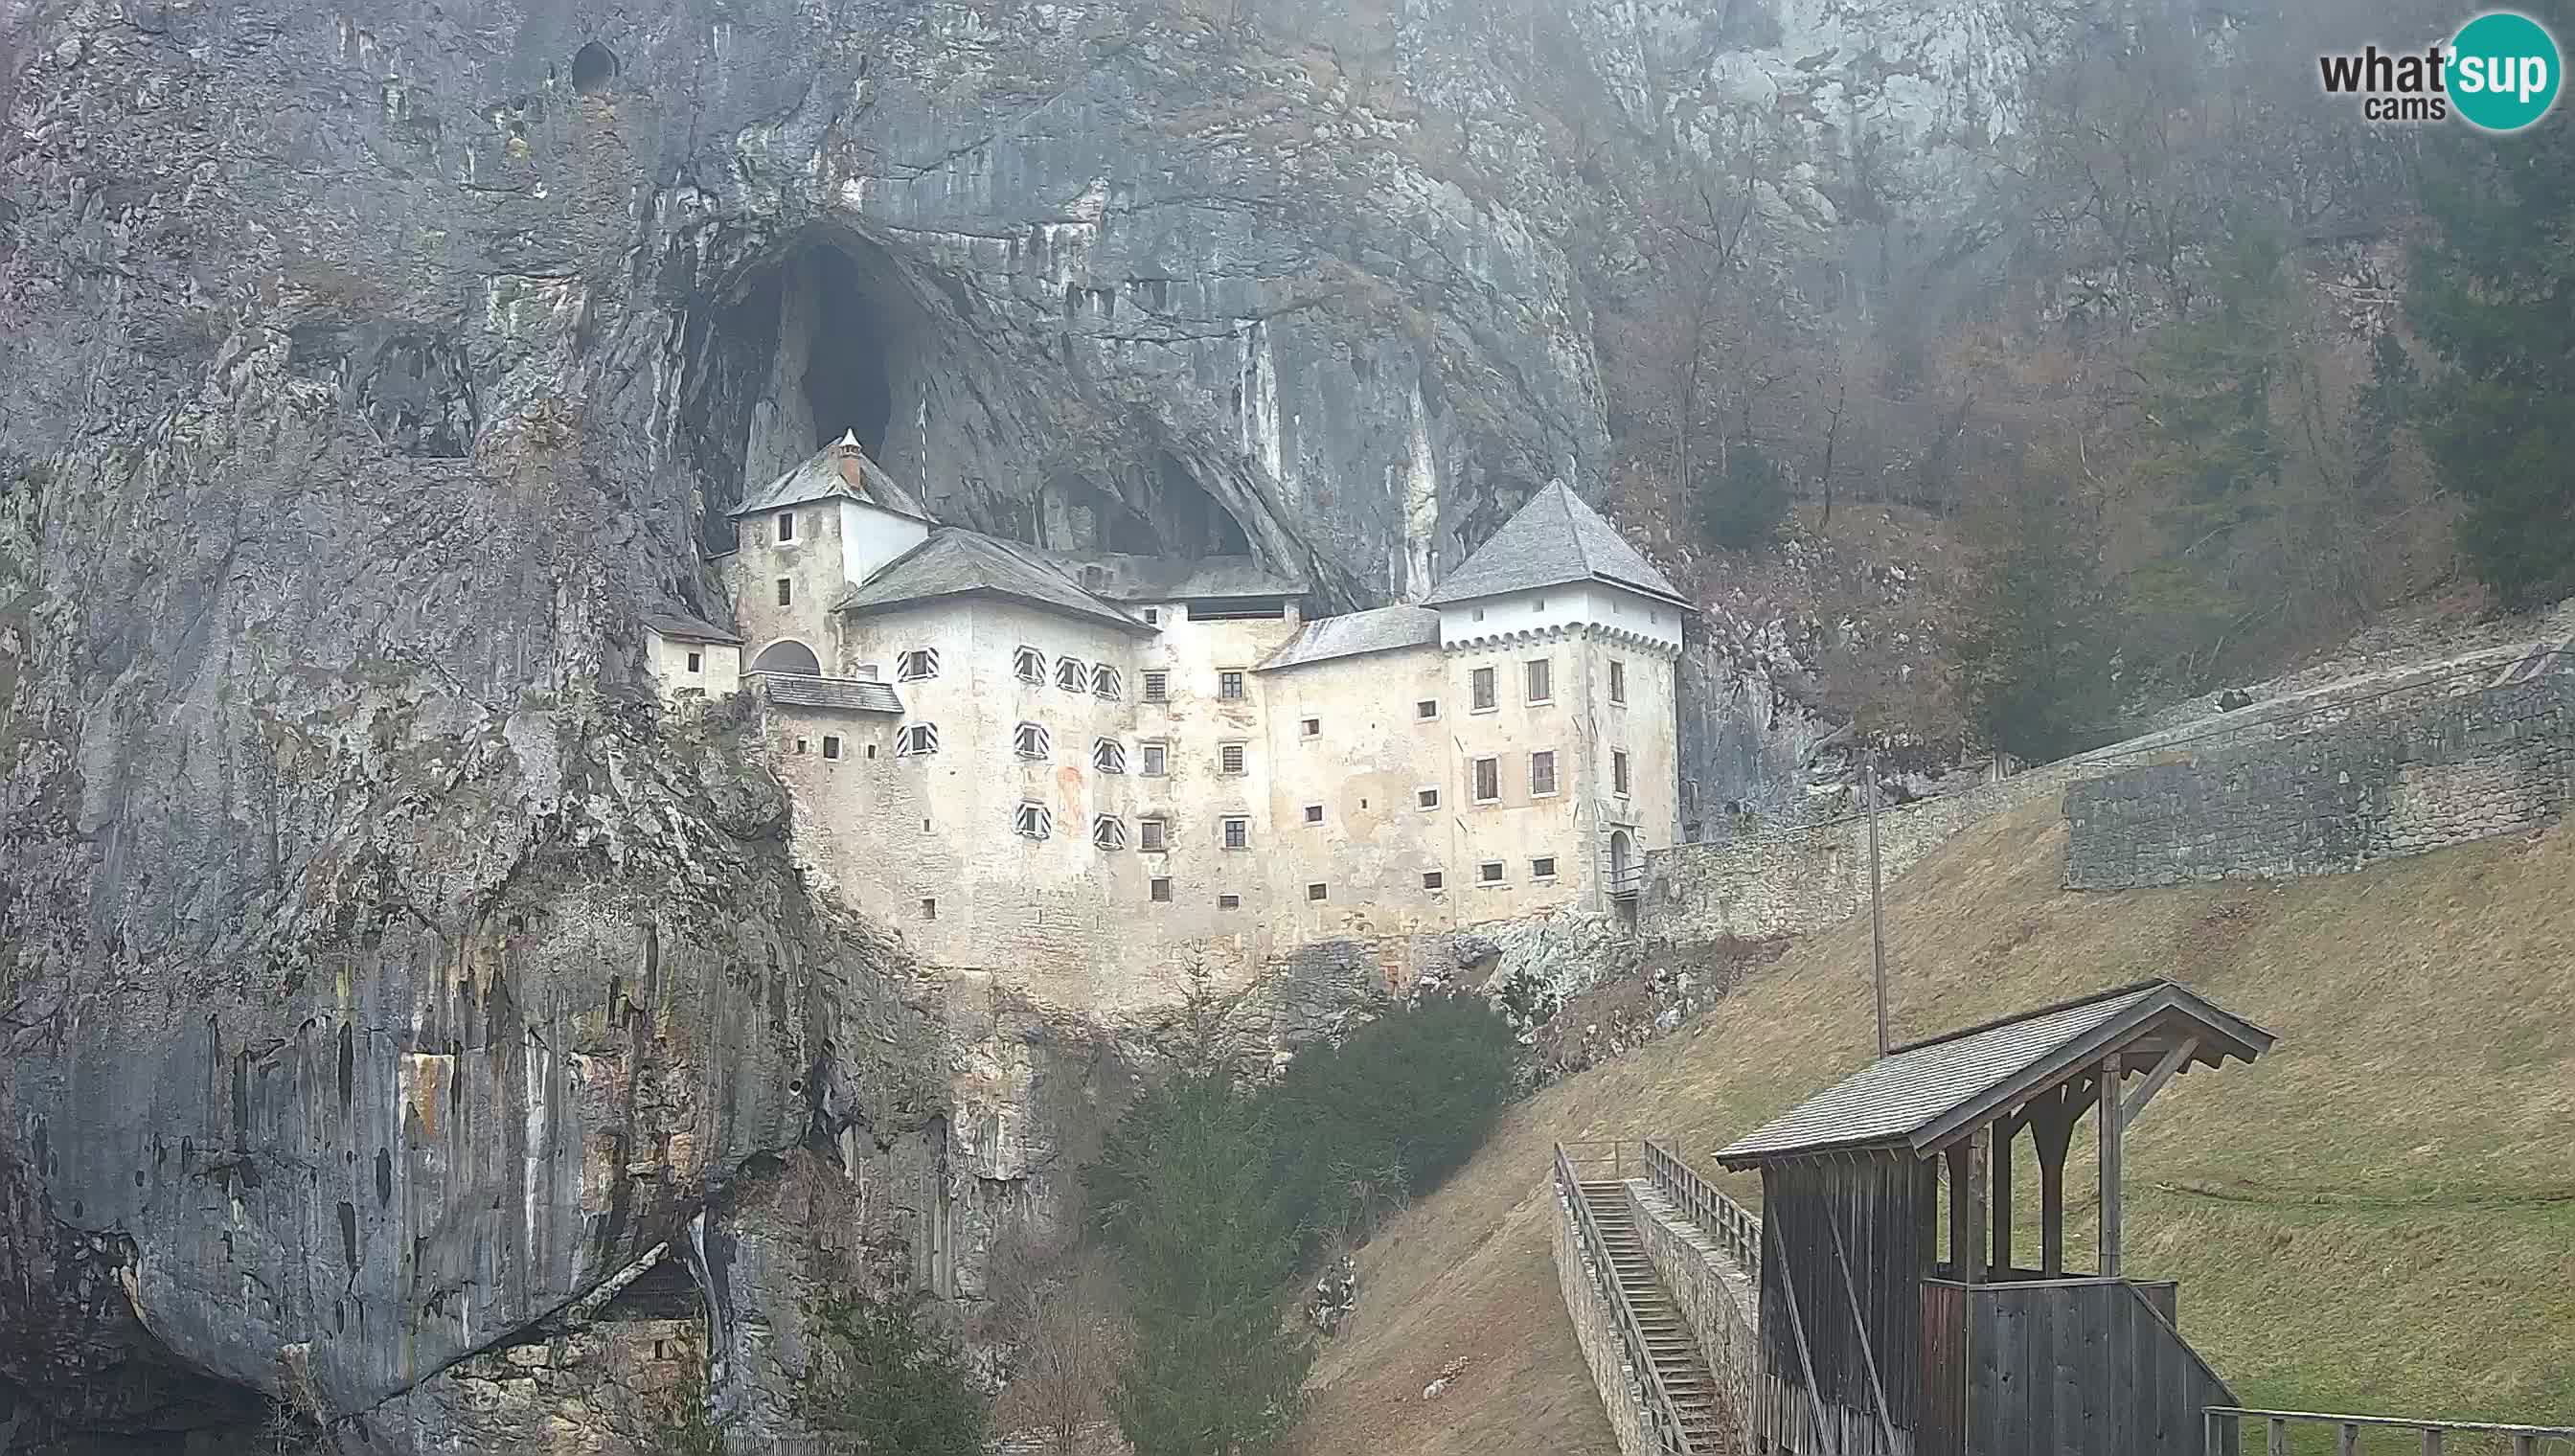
(1898, 1316)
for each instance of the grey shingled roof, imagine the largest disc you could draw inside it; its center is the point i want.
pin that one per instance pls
(955, 563)
(1118, 576)
(1353, 633)
(1918, 1095)
(1552, 539)
(855, 694)
(839, 471)
(680, 627)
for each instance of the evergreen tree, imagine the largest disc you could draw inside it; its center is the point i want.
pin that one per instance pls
(890, 1383)
(2033, 657)
(2494, 296)
(1743, 502)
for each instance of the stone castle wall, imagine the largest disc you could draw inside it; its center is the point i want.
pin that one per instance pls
(2373, 787)
(1801, 880)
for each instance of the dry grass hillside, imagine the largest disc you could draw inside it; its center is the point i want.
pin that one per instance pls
(2379, 1216)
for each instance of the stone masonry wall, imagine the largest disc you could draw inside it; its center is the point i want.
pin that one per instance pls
(1719, 1303)
(2370, 788)
(1801, 880)
(1595, 1330)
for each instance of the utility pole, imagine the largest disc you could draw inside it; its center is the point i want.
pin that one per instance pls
(1876, 921)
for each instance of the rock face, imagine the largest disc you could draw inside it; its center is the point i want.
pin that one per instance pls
(379, 979)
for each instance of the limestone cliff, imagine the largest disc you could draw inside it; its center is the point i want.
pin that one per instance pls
(380, 982)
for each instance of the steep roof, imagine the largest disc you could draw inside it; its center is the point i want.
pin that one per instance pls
(1356, 632)
(856, 695)
(1118, 576)
(1553, 540)
(678, 626)
(958, 563)
(1920, 1096)
(839, 471)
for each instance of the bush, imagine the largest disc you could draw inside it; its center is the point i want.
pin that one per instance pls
(890, 1383)
(1393, 1111)
(1743, 502)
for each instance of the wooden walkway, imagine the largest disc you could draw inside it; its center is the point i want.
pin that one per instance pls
(1674, 1351)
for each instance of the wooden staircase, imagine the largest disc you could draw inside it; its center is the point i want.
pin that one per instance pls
(1674, 1351)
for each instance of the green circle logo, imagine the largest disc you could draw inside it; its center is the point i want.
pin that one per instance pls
(2503, 71)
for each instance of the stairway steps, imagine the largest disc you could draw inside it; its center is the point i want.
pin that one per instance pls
(1669, 1343)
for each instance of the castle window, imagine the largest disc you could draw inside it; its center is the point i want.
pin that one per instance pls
(915, 740)
(1543, 868)
(1427, 708)
(1094, 579)
(786, 526)
(1238, 833)
(1229, 903)
(1229, 686)
(930, 909)
(786, 592)
(1157, 686)
(1311, 727)
(1313, 814)
(1162, 889)
(799, 746)
(1104, 683)
(1489, 872)
(697, 662)
(1315, 891)
(1427, 798)
(1542, 772)
(1617, 681)
(1031, 822)
(1108, 832)
(1483, 697)
(1030, 741)
(1229, 759)
(1488, 780)
(1619, 773)
(1108, 755)
(1541, 680)
(1152, 835)
(1028, 665)
(1430, 879)
(1158, 758)
(830, 745)
(1071, 675)
(1538, 606)
(1153, 617)
(1480, 614)
(917, 665)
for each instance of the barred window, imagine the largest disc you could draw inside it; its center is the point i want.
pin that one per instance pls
(1158, 758)
(1541, 680)
(1482, 682)
(1229, 758)
(1543, 772)
(1157, 686)
(1489, 780)
(1152, 835)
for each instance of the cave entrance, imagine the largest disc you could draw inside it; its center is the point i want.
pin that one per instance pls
(848, 386)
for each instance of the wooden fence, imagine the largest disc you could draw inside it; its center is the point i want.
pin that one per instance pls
(2281, 1427)
(1734, 1228)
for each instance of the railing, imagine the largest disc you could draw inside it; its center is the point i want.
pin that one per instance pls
(1627, 883)
(1735, 1230)
(2225, 1431)
(1661, 1412)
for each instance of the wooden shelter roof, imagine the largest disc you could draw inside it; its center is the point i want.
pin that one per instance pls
(1922, 1096)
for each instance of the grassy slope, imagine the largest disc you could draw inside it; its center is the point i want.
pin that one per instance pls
(2379, 1216)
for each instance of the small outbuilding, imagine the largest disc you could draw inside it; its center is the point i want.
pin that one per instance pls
(1897, 1315)
(690, 658)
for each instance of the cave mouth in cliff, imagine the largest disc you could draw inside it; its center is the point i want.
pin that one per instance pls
(847, 384)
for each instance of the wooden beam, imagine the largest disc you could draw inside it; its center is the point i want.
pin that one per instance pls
(1968, 1205)
(2174, 1060)
(2112, 1132)
(2002, 1186)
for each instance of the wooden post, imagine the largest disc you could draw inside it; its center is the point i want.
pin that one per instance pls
(1968, 1204)
(2431, 1441)
(2114, 1131)
(2053, 1131)
(1926, 1203)
(2004, 1131)
(2278, 1444)
(2349, 1444)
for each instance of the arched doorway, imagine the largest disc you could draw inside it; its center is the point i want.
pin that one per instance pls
(1619, 853)
(787, 655)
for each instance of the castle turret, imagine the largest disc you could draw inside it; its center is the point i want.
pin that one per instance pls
(814, 532)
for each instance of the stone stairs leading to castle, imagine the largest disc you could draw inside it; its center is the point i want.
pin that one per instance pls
(1668, 1341)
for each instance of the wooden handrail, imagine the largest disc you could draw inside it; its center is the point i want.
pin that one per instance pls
(1660, 1409)
(2224, 1430)
(1735, 1230)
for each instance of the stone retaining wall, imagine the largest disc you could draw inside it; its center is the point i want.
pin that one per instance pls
(2368, 788)
(1802, 881)
(1595, 1330)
